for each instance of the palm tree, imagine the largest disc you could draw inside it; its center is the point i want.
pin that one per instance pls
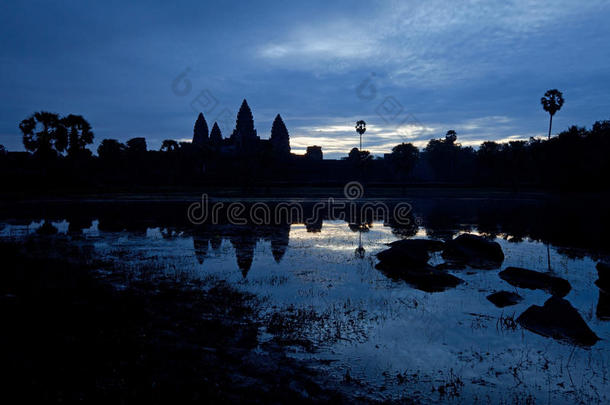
(44, 134)
(79, 133)
(552, 102)
(360, 128)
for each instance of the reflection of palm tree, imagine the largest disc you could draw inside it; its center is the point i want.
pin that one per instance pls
(360, 228)
(360, 249)
(551, 103)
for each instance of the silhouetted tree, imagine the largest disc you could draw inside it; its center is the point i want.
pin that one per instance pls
(192, 157)
(489, 161)
(353, 155)
(169, 145)
(44, 134)
(551, 103)
(110, 149)
(280, 140)
(448, 159)
(136, 145)
(365, 156)
(2, 150)
(517, 162)
(451, 137)
(314, 153)
(404, 157)
(360, 159)
(598, 143)
(79, 134)
(200, 132)
(601, 128)
(215, 135)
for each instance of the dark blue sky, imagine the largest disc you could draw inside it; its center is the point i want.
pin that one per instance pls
(412, 70)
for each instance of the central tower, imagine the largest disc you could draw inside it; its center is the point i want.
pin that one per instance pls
(244, 135)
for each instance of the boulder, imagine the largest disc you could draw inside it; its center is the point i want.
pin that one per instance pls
(475, 251)
(407, 260)
(404, 255)
(558, 319)
(603, 306)
(534, 280)
(425, 278)
(603, 274)
(503, 299)
(450, 266)
(429, 245)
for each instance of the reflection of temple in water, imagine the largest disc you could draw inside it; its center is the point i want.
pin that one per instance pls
(200, 244)
(244, 245)
(279, 242)
(243, 239)
(583, 226)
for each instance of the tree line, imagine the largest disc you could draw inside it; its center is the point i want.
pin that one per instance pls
(58, 154)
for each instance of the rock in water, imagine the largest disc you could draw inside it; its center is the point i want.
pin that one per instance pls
(603, 306)
(603, 273)
(503, 299)
(560, 320)
(535, 280)
(426, 279)
(408, 260)
(428, 245)
(475, 251)
(450, 266)
(404, 255)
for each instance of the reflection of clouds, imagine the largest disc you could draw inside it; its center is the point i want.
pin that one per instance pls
(336, 236)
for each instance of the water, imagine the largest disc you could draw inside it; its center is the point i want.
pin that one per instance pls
(393, 338)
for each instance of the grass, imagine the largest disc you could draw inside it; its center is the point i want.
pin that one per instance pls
(507, 323)
(70, 336)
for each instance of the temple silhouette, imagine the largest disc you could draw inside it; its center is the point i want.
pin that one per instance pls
(57, 156)
(244, 141)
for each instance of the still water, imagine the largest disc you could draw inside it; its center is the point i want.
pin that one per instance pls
(393, 338)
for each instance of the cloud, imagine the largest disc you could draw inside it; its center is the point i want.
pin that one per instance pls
(332, 46)
(428, 43)
(337, 140)
(478, 67)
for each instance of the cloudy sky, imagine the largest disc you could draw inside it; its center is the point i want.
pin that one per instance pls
(410, 69)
